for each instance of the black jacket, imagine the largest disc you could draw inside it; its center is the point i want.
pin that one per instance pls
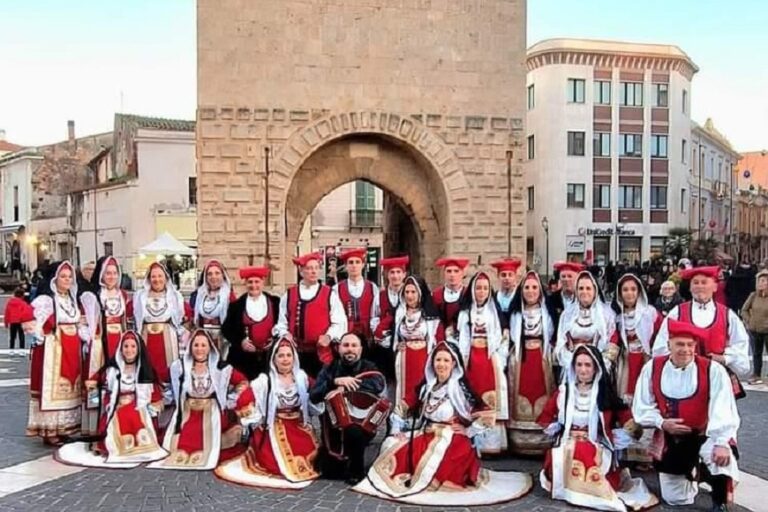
(324, 383)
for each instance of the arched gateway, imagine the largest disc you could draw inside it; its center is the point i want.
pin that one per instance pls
(440, 154)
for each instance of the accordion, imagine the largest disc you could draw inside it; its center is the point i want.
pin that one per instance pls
(345, 408)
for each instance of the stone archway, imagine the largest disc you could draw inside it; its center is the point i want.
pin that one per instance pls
(397, 154)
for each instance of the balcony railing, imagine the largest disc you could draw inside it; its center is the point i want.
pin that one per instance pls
(369, 219)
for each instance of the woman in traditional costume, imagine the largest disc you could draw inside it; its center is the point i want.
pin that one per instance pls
(531, 380)
(484, 345)
(436, 462)
(204, 428)
(106, 309)
(130, 398)
(282, 447)
(589, 423)
(417, 329)
(159, 311)
(586, 323)
(210, 303)
(56, 386)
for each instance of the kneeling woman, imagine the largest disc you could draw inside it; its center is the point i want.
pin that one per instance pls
(581, 468)
(203, 428)
(282, 449)
(130, 398)
(436, 462)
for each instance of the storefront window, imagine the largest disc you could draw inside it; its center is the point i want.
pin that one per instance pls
(601, 245)
(657, 246)
(629, 248)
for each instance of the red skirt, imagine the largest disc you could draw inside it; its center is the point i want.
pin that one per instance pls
(481, 374)
(586, 453)
(415, 361)
(460, 465)
(296, 445)
(533, 381)
(113, 336)
(635, 362)
(156, 354)
(70, 365)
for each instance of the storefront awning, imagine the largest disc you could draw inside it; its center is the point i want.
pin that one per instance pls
(167, 244)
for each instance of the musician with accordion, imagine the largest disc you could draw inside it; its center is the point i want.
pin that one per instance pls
(352, 390)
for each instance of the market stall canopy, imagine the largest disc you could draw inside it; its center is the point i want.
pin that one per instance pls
(167, 244)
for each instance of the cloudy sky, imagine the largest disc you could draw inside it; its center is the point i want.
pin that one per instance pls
(86, 59)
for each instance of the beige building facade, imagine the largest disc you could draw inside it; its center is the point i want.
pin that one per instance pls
(424, 100)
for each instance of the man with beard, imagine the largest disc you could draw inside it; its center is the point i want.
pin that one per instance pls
(347, 373)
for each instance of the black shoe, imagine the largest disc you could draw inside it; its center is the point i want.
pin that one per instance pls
(353, 479)
(720, 508)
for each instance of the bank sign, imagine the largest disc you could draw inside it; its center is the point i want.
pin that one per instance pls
(606, 231)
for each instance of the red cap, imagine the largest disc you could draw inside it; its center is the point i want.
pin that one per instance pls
(397, 262)
(507, 264)
(248, 272)
(452, 262)
(360, 252)
(303, 260)
(678, 329)
(569, 266)
(690, 273)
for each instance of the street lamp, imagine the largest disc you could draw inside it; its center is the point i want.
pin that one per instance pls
(619, 228)
(545, 225)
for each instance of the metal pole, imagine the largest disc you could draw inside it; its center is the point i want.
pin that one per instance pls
(730, 212)
(266, 205)
(546, 231)
(95, 228)
(701, 203)
(509, 203)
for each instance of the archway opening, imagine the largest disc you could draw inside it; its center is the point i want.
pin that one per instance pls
(368, 190)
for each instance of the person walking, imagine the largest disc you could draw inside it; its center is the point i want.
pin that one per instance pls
(755, 315)
(17, 311)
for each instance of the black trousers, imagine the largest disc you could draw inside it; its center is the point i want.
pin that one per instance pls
(16, 330)
(344, 451)
(759, 341)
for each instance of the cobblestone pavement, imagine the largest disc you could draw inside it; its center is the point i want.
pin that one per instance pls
(148, 490)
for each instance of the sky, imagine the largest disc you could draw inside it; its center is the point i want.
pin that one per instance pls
(87, 59)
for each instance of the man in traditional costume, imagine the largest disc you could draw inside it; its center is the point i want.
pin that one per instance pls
(359, 296)
(689, 399)
(728, 340)
(348, 373)
(389, 299)
(507, 273)
(311, 315)
(249, 323)
(565, 297)
(446, 297)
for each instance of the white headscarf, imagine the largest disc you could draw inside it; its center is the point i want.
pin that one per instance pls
(597, 313)
(219, 376)
(516, 319)
(299, 377)
(566, 411)
(143, 390)
(645, 314)
(172, 296)
(489, 314)
(455, 391)
(72, 289)
(224, 292)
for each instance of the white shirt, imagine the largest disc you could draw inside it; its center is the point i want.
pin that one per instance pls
(450, 296)
(723, 422)
(256, 307)
(505, 299)
(737, 347)
(338, 318)
(356, 289)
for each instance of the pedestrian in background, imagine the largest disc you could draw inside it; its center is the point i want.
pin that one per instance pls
(755, 315)
(17, 311)
(668, 298)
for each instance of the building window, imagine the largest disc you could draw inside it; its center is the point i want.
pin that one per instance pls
(575, 143)
(683, 201)
(531, 147)
(684, 147)
(685, 101)
(575, 195)
(16, 204)
(630, 144)
(602, 92)
(531, 198)
(192, 187)
(658, 243)
(660, 95)
(365, 196)
(109, 249)
(575, 90)
(631, 94)
(629, 249)
(531, 97)
(658, 197)
(659, 146)
(601, 144)
(630, 197)
(601, 197)
(601, 247)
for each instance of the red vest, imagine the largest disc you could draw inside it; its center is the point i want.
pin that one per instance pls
(718, 330)
(309, 319)
(693, 409)
(259, 333)
(358, 310)
(449, 311)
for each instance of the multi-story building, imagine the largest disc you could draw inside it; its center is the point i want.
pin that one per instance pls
(713, 185)
(608, 149)
(751, 228)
